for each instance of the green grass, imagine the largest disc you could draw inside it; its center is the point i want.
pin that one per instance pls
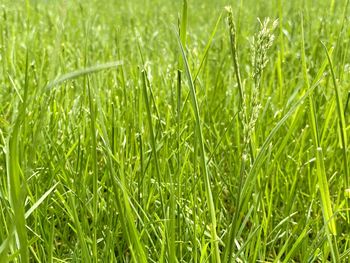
(174, 131)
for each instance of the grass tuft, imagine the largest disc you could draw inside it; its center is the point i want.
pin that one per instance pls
(226, 141)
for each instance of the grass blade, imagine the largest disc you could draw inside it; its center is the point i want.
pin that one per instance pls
(14, 174)
(326, 202)
(82, 72)
(39, 201)
(342, 124)
(212, 212)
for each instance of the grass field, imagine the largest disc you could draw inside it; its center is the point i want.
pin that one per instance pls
(174, 131)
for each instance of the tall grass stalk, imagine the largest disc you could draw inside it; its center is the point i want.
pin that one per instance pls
(342, 124)
(320, 167)
(209, 196)
(15, 178)
(183, 37)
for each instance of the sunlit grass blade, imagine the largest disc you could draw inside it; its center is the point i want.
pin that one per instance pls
(183, 29)
(123, 201)
(207, 48)
(342, 124)
(209, 196)
(85, 253)
(320, 171)
(95, 170)
(152, 137)
(329, 218)
(39, 201)
(16, 180)
(82, 72)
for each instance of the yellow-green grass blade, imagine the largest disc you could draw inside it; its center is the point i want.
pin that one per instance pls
(209, 196)
(342, 123)
(81, 72)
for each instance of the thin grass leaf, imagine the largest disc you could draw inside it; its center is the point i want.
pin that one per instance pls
(342, 124)
(183, 29)
(39, 201)
(82, 72)
(320, 167)
(95, 171)
(14, 174)
(209, 196)
(296, 245)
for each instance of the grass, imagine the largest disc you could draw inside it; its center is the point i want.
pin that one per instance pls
(174, 131)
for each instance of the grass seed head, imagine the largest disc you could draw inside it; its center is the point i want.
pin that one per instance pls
(231, 24)
(261, 43)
